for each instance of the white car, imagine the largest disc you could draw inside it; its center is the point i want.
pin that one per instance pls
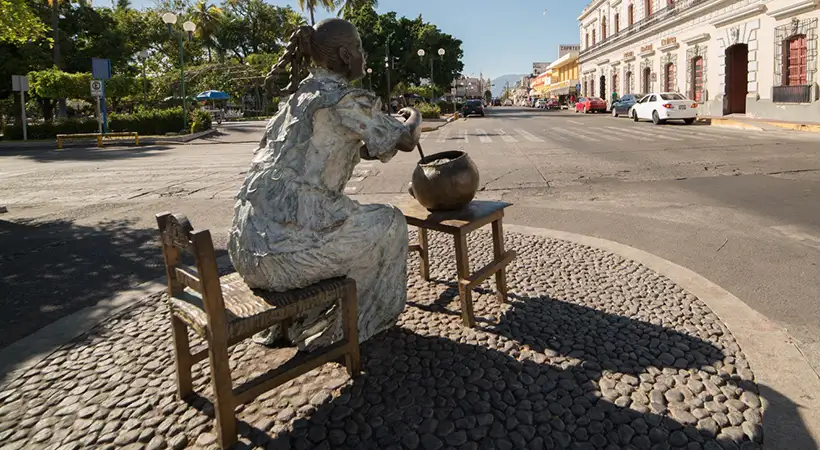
(662, 106)
(541, 104)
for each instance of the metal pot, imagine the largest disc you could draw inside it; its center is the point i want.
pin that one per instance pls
(445, 181)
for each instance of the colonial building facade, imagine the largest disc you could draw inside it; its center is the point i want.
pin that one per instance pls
(752, 57)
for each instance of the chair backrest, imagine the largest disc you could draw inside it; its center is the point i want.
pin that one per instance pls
(178, 236)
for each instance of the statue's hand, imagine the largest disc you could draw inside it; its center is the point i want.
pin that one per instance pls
(365, 154)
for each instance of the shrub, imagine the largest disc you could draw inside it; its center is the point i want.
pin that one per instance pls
(429, 111)
(447, 107)
(50, 130)
(200, 121)
(148, 122)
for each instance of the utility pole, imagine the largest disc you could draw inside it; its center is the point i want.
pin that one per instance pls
(387, 61)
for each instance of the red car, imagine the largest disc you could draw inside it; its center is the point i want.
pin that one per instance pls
(587, 104)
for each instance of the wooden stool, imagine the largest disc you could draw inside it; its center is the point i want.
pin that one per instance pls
(459, 224)
(225, 311)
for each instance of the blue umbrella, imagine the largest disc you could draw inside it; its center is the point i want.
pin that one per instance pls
(213, 95)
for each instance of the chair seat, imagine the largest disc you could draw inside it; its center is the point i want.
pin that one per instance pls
(252, 310)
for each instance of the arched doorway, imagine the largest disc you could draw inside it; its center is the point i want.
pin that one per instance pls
(697, 79)
(669, 77)
(628, 83)
(603, 87)
(737, 79)
(647, 82)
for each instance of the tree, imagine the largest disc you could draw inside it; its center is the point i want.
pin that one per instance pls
(347, 7)
(208, 18)
(18, 23)
(311, 5)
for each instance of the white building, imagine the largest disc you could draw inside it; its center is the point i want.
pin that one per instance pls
(752, 57)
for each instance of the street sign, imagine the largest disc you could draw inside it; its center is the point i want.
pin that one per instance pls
(96, 88)
(19, 83)
(101, 68)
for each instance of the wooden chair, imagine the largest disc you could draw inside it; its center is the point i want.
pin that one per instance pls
(226, 311)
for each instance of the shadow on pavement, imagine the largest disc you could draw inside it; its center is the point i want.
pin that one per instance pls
(49, 270)
(86, 153)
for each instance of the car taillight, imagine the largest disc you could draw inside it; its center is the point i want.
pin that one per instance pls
(694, 105)
(667, 105)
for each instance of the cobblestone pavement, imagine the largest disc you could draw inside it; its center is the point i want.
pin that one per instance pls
(593, 351)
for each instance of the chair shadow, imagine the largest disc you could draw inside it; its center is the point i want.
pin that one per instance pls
(532, 378)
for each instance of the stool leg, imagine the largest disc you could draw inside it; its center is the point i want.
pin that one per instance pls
(463, 267)
(350, 324)
(182, 350)
(498, 252)
(424, 254)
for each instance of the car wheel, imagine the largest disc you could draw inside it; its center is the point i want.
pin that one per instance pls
(635, 116)
(482, 114)
(586, 110)
(614, 112)
(656, 119)
(688, 121)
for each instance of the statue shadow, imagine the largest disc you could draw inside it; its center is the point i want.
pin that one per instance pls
(531, 379)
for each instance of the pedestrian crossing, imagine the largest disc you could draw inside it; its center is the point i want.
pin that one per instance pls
(567, 135)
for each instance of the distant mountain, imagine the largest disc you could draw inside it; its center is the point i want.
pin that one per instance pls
(501, 82)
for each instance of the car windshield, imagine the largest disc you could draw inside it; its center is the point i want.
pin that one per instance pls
(473, 102)
(595, 99)
(672, 96)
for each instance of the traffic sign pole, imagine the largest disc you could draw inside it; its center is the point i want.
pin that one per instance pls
(23, 114)
(104, 113)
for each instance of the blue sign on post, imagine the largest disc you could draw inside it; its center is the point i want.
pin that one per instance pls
(101, 69)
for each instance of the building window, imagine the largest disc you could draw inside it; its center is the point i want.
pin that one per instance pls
(603, 29)
(587, 40)
(647, 8)
(628, 81)
(669, 75)
(630, 15)
(617, 22)
(647, 82)
(697, 79)
(795, 62)
(593, 37)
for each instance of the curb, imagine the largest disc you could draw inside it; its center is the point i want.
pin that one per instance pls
(788, 384)
(736, 124)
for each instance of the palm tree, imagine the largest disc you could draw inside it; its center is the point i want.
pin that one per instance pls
(347, 6)
(208, 18)
(311, 6)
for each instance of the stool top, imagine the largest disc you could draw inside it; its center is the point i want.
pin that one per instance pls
(475, 215)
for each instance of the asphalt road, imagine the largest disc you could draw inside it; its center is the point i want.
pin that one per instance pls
(741, 208)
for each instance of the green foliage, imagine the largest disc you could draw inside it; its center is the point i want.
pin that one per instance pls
(447, 107)
(148, 122)
(200, 121)
(429, 111)
(18, 23)
(50, 130)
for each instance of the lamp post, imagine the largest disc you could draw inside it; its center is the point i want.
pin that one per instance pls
(370, 77)
(421, 54)
(143, 55)
(189, 27)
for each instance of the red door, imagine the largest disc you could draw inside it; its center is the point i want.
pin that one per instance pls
(669, 76)
(797, 72)
(737, 78)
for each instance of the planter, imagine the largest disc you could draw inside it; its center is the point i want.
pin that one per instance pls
(445, 181)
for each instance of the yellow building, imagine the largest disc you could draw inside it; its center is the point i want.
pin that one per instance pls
(541, 85)
(565, 76)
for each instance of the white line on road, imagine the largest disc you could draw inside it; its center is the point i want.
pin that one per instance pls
(528, 136)
(482, 136)
(576, 134)
(443, 136)
(627, 134)
(575, 122)
(655, 134)
(505, 137)
(464, 136)
(554, 135)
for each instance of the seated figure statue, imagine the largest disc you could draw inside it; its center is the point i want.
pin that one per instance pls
(293, 224)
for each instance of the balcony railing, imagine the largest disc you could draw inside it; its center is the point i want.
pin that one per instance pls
(792, 94)
(661, 14)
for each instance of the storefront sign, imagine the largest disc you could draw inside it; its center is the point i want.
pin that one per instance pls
(646, 48)
(668, 41)
(629, 55)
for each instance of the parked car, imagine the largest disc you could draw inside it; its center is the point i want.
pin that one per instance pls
(590, 104)
(624, 103)
(508, 102)
(553, 104)
(541, 103)
(662, 106)
(472, 107)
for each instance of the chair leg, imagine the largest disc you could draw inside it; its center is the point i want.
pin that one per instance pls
(223, 394)
(182, 350)
(350, 324)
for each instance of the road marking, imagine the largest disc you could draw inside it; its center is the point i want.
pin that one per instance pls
(575, 122)
(795, 232)
(482, 136)
(464, 136)
(528, 136)
(627, 134)
(505, 137)
(423, 137)
(656, 135)
(576, 134)
(553, 135)
(443, 136)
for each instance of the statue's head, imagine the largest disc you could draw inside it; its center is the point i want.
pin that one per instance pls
(333, 44)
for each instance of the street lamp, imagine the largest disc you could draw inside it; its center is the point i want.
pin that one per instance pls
(421, 54)
(189, 27)
(370, 77)
(143, 55)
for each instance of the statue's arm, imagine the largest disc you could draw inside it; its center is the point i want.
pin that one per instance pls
(382, 134)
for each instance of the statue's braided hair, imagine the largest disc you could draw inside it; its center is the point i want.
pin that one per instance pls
(320, 44)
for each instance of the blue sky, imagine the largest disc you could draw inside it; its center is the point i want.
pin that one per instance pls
(500, 36)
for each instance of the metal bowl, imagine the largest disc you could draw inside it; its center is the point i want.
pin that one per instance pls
(445, 181)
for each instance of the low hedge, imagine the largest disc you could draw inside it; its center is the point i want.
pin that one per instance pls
(429, 111)
(148, 122)
(447, 107)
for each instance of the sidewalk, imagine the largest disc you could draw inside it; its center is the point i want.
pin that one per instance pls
(593, 350)
(746, 123)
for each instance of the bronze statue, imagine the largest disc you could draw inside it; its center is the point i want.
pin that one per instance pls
(293, 224)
